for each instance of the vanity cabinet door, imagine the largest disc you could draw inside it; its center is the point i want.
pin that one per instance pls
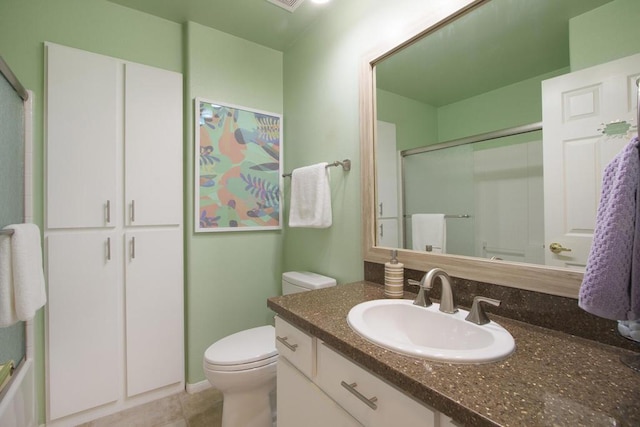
(302, 403)
(352, 386)
(298, 347)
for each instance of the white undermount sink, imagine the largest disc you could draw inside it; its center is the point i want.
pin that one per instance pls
(426, 332)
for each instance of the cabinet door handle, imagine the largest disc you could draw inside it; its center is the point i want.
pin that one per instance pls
(381, 230)
(380, 208)
(108, 208)
(352, 389)
(284, 341)
(108, 248)
(133, 248)
(133, 210)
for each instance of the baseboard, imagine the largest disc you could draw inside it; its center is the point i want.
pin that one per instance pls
(198, 387)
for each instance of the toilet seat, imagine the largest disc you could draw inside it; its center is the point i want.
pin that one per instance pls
(248, 349)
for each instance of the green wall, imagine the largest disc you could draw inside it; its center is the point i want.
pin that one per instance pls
(609, 32)
(93, 25)
(229, 275)
(315, 85)
(416, 123)
(321, 73)
(604, 34)
(513, 105)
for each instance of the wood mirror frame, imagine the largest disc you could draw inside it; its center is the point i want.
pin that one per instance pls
(538, 278)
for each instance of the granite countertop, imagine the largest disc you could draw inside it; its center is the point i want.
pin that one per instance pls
(552, 379)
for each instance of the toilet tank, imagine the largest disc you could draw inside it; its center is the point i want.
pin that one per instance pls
(301, 281)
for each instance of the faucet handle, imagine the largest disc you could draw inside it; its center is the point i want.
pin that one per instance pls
(477, 314)
(422, 299)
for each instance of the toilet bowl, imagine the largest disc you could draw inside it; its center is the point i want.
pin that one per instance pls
(243, 365)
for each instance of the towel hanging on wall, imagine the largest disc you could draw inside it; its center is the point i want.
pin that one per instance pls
(310, 197)
(8, 314)
(611, 283)
(21, 275)
(429, 230)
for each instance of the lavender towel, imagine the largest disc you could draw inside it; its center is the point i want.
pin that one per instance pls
(611, 284)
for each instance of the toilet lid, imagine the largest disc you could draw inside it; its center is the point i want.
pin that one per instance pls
(243, 347)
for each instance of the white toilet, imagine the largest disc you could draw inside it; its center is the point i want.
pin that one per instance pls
(243, 365)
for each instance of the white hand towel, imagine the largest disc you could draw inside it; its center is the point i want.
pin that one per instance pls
(8, 314)
(429, 229)
(28, 277)
(310, 197)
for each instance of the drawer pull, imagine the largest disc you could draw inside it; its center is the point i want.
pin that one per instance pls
(284, 341)
(352, 389)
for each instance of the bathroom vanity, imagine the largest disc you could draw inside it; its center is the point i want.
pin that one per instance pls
(551, 379)
(311, 372)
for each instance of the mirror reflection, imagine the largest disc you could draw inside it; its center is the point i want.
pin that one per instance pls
(493, 132)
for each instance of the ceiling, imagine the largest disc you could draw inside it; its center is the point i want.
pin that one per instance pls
(499, 43)
(255, 20)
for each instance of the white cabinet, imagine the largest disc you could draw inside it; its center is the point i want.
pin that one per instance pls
(302, 403)
(82, 130)
(337, 392)
(387, 190)
(83, 327)
(297, 346)
(388, 232)
(114, 235)
(153, 160)
(366, 397)
(154, 325)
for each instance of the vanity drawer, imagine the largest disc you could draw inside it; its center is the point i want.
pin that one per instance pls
(296, 346)
(351, 386)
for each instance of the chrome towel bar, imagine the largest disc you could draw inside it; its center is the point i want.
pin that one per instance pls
(346, 166)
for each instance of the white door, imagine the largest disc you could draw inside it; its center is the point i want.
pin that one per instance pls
(153, 146)
(83, 328)
(82, 136)
(154, 309)
(576, 108)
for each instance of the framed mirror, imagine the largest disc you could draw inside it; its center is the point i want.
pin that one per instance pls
(446, 91)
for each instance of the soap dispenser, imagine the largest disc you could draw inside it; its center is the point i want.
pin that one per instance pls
(393, 277)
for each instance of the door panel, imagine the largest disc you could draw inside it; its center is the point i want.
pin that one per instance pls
(154, 309)
(153, 146)
(83, 327)
(82, 136)
(577, 108)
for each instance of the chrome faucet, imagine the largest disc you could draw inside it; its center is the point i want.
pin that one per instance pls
(447, 303)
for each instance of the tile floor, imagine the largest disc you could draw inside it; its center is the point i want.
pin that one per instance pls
(202, 409)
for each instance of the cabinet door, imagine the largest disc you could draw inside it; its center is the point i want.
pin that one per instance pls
(388, 233)
(302, 403)
(81, 127)
(82, 322)
(153, 146)
(352, 386)
(154, 309)
(387, 171)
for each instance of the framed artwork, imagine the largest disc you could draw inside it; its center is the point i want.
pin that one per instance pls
(238, 168)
